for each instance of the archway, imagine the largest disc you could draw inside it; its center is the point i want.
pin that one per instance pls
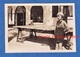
(21, 15)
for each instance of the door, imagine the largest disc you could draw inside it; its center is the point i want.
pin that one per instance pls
(21, 15)
(20, 19)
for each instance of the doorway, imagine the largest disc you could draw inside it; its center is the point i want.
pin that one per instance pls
(21, 15)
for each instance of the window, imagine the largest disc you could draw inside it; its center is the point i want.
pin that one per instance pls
(10, 15)
(71, 11)
(67, 10)
(37, 14)
(54, 11)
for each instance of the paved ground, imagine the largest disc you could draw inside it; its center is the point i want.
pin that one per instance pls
(29, 45)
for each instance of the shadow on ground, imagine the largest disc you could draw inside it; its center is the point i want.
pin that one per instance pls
(11, 37)
(44, 41)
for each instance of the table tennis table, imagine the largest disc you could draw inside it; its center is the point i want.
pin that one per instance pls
(34, 28)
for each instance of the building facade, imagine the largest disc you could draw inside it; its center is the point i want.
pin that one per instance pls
(40, 14)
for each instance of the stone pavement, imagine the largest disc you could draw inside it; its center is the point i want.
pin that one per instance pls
(29, 45)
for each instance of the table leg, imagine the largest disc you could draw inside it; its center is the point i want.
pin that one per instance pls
(35, 34)
(19, 37)
(31, 33)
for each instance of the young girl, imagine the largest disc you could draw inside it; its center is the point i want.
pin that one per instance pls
(61, 29)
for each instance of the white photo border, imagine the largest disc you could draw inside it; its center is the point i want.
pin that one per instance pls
(24, 4)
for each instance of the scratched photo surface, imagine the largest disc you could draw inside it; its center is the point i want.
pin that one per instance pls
(46, 27)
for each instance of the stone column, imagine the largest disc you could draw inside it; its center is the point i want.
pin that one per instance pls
(28, 9)
(15, 18)
(61, 8)
(9, 17)
(13, 12)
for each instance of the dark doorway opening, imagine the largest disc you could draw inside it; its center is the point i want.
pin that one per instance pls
(37, 14)
(21, 15)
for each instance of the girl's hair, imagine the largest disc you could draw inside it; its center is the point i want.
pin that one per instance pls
(60, 13)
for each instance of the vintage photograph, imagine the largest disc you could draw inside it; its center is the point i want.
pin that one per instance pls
(40, 27)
